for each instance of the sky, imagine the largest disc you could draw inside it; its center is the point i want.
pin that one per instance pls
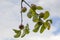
(10, 19)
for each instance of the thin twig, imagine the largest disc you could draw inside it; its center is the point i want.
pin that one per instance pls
(27, 3)
(21, 13)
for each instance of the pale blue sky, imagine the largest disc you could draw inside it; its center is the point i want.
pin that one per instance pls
(10, 18)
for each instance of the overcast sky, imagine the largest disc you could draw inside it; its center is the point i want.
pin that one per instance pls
(10, 19)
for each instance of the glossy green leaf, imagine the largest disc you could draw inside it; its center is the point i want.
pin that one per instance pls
(47, 25)
(37, 26)
(27, 26)
(46, 15)
(49, 20)
(36, 29)
(35, 18)
(33, 6)
(27, 29)
(32, 11)
(29, 15)
(16, 31)
(39, 8)
(23, 34)
(42, 29)
(17, 34)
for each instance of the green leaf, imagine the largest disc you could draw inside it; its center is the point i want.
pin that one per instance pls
(33, 6)
(17, 34)
(39, 8)
(35, 18)
(48, 25)
(23, 35)
(27, 29)
(46, 15)
(37, 24)
(16, 31)
(49, 20)
(36, 27)
(29, 15)
(27, 26)
(42, 29)
(32, 11)
(45, 24)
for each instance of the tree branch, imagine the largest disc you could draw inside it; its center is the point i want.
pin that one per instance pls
(21, 13)
(27, 3)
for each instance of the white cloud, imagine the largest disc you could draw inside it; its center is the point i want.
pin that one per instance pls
(51, 5)
(9, 18)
